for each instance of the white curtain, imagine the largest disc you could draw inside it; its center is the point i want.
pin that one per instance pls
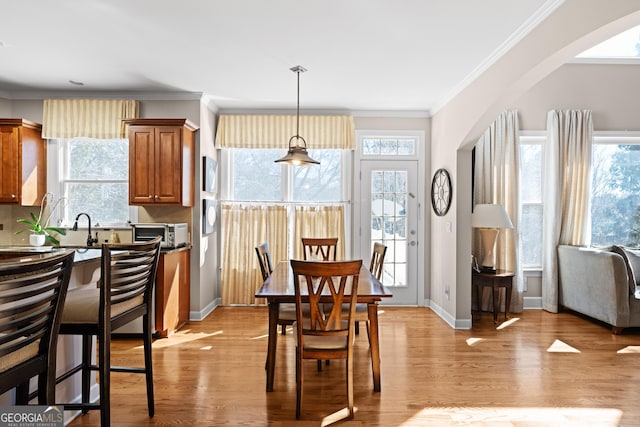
(496, 181)
(566, 188)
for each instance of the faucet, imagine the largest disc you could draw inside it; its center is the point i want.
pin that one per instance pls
(90, 240)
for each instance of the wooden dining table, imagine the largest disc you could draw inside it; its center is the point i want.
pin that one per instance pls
(279, 288)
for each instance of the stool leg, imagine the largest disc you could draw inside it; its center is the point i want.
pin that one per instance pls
(86, 371)
(22, 394)
(104, 368)
(148, 365)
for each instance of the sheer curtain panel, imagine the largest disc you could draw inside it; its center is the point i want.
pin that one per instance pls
(244, 227)
(566, 188)
(496, 180)
(319, 221)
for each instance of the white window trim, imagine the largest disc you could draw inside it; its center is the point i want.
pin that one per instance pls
(55, 153)
(362, 134)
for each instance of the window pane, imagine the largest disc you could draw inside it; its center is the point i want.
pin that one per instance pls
(615, 203)
(94, 179)
(319, 183)
(531, 235)
(371, 147)
(96, 159)
(106, 203)
(531, 172)
(256, 176)
(388, 146)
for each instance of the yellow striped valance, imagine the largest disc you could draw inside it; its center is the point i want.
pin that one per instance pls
(274, 131)
(89, 118)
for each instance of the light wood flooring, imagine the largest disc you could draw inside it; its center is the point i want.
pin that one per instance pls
(538, 369)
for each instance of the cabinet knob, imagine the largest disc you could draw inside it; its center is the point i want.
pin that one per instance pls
(13, 196)
(150, 196)
(157, 197)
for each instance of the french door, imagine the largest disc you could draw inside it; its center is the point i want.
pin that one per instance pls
(389, 208)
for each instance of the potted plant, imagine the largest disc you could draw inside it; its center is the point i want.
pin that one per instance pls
(39, 227)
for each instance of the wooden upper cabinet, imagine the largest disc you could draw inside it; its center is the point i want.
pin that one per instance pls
(161, 161)
(23, 162)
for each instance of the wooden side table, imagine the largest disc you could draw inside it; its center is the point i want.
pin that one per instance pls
(497, 280)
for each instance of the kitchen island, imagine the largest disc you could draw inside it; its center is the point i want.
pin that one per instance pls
(86, 271)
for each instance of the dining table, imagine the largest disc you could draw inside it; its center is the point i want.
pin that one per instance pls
(279, 288)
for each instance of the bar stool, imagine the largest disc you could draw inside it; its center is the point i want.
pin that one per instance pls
(124, 292)
(31, 297)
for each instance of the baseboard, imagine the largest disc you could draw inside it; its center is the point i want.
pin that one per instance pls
(532, 303)
(450, 320)
(198, 316)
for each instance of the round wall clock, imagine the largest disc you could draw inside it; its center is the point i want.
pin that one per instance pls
(441, 192)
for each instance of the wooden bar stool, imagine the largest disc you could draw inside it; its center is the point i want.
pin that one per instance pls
(32, 294)
(128, 273)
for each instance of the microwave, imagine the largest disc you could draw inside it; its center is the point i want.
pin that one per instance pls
(173, 235)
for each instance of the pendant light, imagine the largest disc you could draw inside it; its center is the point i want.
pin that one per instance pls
(297, 154)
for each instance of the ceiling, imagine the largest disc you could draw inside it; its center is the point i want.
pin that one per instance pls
(382, 55)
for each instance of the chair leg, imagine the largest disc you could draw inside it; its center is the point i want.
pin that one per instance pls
(350, 386)
(148, 365)
(86, 371)
(299, 385)
(284, 329)
(357, 327)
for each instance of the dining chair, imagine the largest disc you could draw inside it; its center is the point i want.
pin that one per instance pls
(375, 267)
(32, 293)
(123, 293)
(325, 336)
(320, 248)
(286, 311)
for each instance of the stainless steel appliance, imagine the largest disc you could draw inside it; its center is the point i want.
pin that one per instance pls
(173, 235)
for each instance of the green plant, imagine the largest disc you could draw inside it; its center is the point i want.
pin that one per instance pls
(36, 224)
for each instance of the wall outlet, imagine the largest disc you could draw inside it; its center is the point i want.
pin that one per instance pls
(447, 293)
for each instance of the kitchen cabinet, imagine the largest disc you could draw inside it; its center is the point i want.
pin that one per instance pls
(172, 291)
(23, 162)
(161, 162)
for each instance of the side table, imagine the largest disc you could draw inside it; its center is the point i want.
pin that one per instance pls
(497, 280)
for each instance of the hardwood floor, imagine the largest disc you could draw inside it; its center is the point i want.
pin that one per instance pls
(538, 369)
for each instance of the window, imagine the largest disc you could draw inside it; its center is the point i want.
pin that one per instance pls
(623, 45)
(254, 176)
(386, 146)
(615, 191)
(531, 200)
(94, 178)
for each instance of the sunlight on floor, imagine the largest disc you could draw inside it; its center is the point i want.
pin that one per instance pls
(602, 417)
(507, 323)
(181, 338)
(561, 347)
(630, 349)
(472, 341)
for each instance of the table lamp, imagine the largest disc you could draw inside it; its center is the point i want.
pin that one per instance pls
(489, 218)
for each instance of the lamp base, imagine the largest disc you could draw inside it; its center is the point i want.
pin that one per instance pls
(486, 269)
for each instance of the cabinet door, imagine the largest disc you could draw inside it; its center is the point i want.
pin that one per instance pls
(9, 164)
(168, 157)
(141, 165)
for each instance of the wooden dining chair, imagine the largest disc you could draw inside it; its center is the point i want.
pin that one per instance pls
(286, 311)
(32, 293)
(123, 294)
(323, 336)
(320, 249)
(375, 267)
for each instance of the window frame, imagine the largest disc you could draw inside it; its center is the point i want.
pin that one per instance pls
(56, 154)
(286, 179)
(531, 138)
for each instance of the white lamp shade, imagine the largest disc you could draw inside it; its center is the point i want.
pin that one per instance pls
(490, 216)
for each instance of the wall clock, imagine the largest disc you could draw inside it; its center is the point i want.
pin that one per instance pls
(441, 192)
